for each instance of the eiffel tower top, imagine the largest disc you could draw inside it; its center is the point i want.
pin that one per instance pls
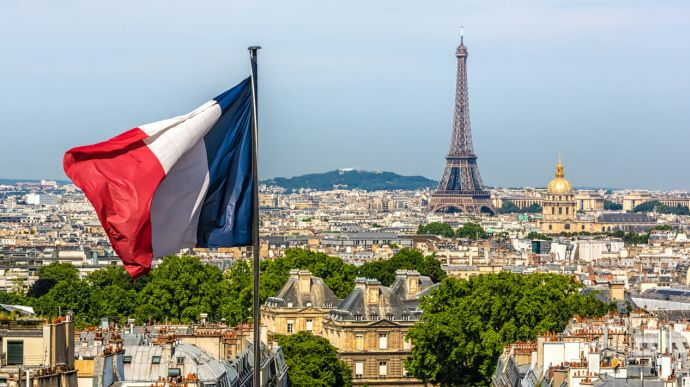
(461, 142)
(461, 50)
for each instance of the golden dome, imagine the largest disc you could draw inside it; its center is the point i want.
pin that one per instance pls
(559, 185)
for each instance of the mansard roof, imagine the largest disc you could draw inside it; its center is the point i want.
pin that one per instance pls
(302, 290)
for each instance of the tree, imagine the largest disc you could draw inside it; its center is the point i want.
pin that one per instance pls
(408, 259)
(472, 231)
(313, 361)
(181, 288)
(436, 228)
(661, 208)
(237, 305)
(74, 295)
(338, 275)
(114, 276)
(613, 206)
(466, 323)
(115, 302)
(538, 236)
(51, 275)
(508, 207)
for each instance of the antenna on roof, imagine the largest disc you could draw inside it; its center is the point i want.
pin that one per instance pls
(462, 34)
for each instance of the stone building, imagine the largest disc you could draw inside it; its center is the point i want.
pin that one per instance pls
(300, 305)
(370, 325)
(41, 351)
(560, 207)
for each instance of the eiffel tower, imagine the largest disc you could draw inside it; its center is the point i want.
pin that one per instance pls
(461, 188)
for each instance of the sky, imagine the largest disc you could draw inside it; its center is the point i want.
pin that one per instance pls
(365, 84)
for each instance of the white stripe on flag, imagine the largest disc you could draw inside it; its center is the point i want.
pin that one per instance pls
(170, 139)
(178, 144)
(177, 203)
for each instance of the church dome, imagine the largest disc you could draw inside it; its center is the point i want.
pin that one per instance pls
(559, 185)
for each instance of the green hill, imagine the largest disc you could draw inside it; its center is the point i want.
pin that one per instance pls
(351, 179)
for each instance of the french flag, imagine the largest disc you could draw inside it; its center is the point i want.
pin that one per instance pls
(173, 184)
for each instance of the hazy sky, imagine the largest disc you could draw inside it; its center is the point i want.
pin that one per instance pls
(365, 84)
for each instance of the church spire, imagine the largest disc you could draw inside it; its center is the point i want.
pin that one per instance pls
(559, 168)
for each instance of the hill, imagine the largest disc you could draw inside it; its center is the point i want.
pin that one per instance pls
(352, 179)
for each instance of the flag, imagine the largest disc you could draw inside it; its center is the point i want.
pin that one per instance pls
(173, 184)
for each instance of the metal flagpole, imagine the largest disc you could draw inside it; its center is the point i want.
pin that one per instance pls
(255, 220)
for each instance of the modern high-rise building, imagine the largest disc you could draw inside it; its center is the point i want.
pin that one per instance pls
(461, 188)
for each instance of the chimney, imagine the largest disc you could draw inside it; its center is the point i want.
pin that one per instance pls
(616, 291)
(360, 283)
(412, 282)
(373, 291)
(304, 281)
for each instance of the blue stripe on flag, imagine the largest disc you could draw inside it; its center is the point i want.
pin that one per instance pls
(226, 213)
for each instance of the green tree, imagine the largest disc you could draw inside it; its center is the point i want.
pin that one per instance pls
(538, 236)
(238, 302)
(661, 208)
(115, 276)
(182, 287)
(51, 275)
(613, 206)
(466, 323)
(436, 228)
(116, 302)
(74, 295)
(408, 259)
(472, 231)
(338, 275)
(313, 361)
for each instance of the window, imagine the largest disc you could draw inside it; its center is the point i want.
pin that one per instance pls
(289, 304)
(583, 226)
(155, 360)
(383, 369)
(390, 317)
(550, 227)
(126, 359)
(180, 360)
(560, 210)
(374, 317)
(406, 317)
(308, 304)
(406, 342)
(310, 325)
(359, 341)
(358, 317)
(383, 340)
(567, 226)
(15, 352)
(359, 369)
(290, 326)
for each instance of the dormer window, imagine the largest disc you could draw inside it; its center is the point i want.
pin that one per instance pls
(390, 317)
(374, 317)
(358, 317)
(406, 317)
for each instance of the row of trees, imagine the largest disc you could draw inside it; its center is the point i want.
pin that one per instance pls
(468, 230)
(182, 287)
(508, 207)
(657, 206)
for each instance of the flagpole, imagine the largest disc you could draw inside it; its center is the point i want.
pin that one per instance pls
(255, 219)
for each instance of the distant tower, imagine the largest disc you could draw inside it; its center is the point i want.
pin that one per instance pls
(461, 188)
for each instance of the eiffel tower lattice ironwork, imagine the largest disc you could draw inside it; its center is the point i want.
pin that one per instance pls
(461, 188)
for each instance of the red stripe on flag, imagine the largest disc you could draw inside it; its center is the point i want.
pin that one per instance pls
(119, 177)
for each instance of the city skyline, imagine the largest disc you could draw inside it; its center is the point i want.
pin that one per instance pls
(603, 84)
